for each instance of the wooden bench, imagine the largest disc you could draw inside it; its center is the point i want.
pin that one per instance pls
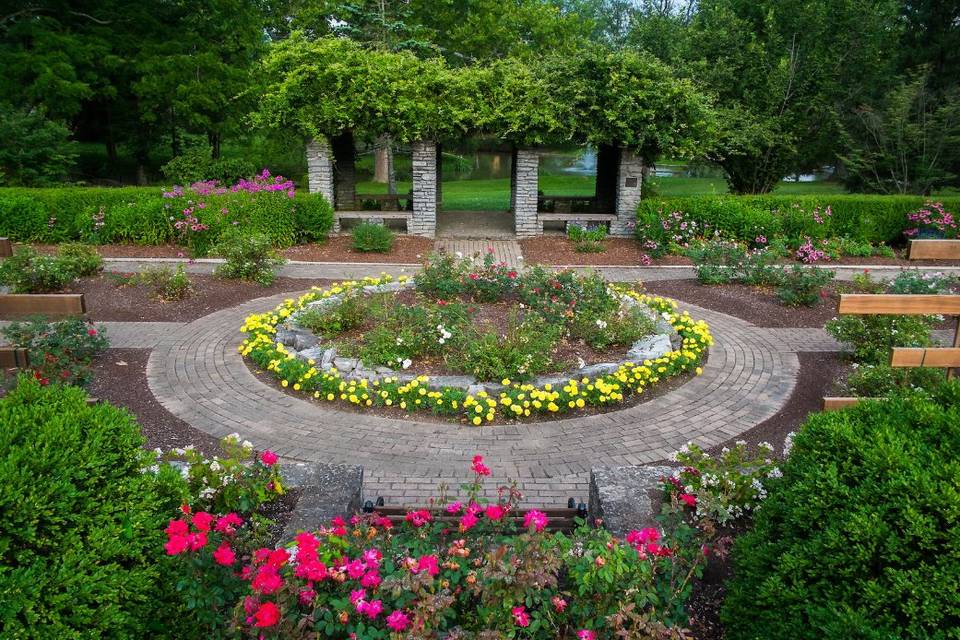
(6, 248)
(573, 217)
(934, 250)
(56, 305)
(564, 204)
(14, 358)
(904, 304)
(374, 216)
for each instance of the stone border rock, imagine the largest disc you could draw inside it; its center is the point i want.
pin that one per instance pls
(626, 498)
(305, 345)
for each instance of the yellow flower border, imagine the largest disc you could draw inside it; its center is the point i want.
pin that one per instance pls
(516, 402)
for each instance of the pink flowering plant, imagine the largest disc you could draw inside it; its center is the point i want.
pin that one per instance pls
(722, 488)
(239, 481)
(931, 220)
(671, 232)
(467, 566)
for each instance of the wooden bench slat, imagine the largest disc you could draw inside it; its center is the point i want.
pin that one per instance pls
(917, 357)
(393, 215)
(934, 250)
(45, 304)
(831, 403)
(590, 217)
(6, 248)
(14, 358)
(899, 304)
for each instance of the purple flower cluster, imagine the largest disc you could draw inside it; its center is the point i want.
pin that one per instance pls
(931, 216)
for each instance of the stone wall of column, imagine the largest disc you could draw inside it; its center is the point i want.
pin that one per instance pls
(525, 181)
(320, 172)
(424, 168)
(629, 184)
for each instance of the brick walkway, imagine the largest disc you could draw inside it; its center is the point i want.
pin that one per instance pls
(197, 374)
(507, 251)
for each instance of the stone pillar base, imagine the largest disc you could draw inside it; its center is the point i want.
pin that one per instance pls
(423, 222)
(526, 178)
(629, 185)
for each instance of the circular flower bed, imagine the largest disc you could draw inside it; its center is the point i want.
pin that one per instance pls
(476, 343)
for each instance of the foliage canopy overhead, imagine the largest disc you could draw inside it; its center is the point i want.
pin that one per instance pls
(325, 86)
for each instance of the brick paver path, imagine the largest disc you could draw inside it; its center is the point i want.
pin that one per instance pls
(197, 374)
(506, 251)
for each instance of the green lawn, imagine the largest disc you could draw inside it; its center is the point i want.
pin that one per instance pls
(494, 195)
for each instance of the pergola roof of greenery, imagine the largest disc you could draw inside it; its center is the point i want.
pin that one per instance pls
(325, 86)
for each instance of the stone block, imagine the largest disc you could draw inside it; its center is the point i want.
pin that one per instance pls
(649, 348)
(327, 491)
(345, 365)
(595, 370)
(626, 498)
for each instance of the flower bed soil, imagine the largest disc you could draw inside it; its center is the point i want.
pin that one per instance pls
(757, 305)
(107, 301)
(624, 252)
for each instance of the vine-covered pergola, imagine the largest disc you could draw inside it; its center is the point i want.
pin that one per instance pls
(628, 105)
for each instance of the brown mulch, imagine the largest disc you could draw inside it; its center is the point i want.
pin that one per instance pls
(106, 300)
(758, 305)
(120, 377)
(623, 252)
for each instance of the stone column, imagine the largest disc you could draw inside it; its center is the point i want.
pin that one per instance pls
(526, 177)
(320, 171)
(424, 163)
(439, 175)
(629, 183)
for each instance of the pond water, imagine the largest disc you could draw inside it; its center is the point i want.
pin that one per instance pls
(492, 165)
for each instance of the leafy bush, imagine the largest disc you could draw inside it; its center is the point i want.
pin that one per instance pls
(443, 276)
(82, 521)
(249, 256)
(587, 239)
(195, 165)
(29, 272)
(312, 217)
(36, 151)
(803, 285)
(372, 238)
(923, 282)
(871, 218)
(59, 351)
(877, 380)
(82, 259)
(331, 319)
(858, 540)
(521, 353)
(165, 283)
(873, 337)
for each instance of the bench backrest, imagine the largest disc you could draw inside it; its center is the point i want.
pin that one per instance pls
(58, 305)
(934, 250)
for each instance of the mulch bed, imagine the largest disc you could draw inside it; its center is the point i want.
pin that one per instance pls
(106, 300)
(757, 305)
(624, 252)
(120, 377)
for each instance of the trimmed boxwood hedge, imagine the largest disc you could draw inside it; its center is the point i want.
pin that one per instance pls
(81, 530)
(871, 218)
(140, 215)
(861, 536)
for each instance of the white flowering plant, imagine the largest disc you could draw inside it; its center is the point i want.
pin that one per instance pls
(723, 488)
(239, 481)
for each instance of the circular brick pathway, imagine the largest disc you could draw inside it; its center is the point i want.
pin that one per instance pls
(196, 372)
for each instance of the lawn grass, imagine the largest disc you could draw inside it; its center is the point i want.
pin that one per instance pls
(494, 194)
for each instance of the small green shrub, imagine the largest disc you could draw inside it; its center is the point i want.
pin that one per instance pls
(82, 259)
(195, 164)
(523, 352)
(803, 285)
(59, 351)
(615, 327)
(923, 282)
(372, 238)
(443, 276)
(859, 538)
(872, 338)
(166, 283)
(249, 256)
(28, 272)
(82, 521)
(587, 239)
(313, 217)
(874, 381)
(344, 315)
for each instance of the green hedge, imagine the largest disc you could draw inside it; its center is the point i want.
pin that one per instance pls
(860, 537)
(141, 215)
(81, 530)
(871, 218)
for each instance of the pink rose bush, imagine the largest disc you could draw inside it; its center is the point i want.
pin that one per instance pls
(461, 568)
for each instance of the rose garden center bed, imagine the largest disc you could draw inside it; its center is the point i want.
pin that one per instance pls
(476, 342)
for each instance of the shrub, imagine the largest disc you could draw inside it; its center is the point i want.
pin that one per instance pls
(82, 259)
(520, 354)
(443, 276)
(59, 351)
(82, 521)
(858, 540)
(877, 380)
(931, 220)
(873, 337)
(166, 283)
(803, 285)
(372, 238)
(312, 216)
(923, 282)
(587, 239)
(195, 164)
(28, 272)
(249, 256)
(872, 218)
